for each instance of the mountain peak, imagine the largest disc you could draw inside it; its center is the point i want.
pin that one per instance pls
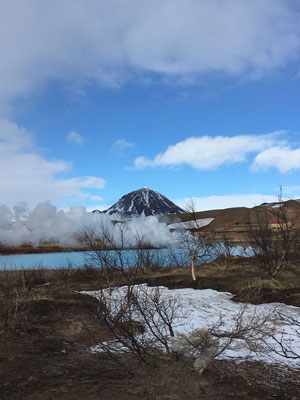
(143, 202)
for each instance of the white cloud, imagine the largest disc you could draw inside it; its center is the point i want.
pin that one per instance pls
(74, 137)
(96, 198)
(25, 175)
(291, 189)
(284, 159)
(14, 137)
(122, 144)
(207, 152)
(108, 41)
(220, 202)
(91, 182)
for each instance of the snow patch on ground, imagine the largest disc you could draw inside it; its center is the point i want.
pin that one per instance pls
(206, 308)
(199, 223)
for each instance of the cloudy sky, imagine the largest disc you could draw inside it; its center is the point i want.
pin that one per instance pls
(192, 98)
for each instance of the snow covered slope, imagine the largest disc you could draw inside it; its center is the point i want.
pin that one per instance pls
(143, 202)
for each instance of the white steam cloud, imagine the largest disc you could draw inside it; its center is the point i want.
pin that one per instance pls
(45, 223)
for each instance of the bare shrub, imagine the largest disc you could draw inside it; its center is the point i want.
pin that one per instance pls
(176, 257)
(147, 329)
(87, 271)
(62, 274)
(148, 259)
(146, 326)
(206, 344)
(201, 344)
(274, 239)
(223, 251)
(32, 277)
(14, 288)
(254, 290)
(141, 321)
(194, 240)
(9, 300)
(144, 256)
(108, 252)
(280, 344)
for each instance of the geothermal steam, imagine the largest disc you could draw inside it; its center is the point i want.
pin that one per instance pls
(45, 223)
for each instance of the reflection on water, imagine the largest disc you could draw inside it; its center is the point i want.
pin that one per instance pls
(154, 257)
(78, 259)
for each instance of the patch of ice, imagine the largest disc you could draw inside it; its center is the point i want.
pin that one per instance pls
(206, 308)
(199, 223)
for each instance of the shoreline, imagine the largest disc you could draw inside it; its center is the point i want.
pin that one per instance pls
(60, 248)
(54, 248)
(40, 249)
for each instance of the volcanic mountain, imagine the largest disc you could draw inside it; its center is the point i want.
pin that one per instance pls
(143, 202)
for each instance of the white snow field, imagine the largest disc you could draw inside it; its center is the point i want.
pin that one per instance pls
(199, 223)
(206, 308)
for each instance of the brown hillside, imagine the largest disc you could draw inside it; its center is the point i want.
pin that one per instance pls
(234, 221)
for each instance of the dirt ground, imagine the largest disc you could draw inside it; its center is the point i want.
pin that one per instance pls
(45, 353)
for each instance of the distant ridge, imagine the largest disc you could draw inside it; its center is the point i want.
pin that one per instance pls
(237, 218)
(143, 202)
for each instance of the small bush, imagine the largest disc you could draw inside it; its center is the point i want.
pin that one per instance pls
(14, 289)
(257, 288)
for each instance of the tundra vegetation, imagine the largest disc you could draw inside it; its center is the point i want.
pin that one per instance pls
(274, 238)
(141, 320)
(124, 343)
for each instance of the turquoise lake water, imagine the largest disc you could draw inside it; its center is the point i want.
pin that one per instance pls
(78, 259)
(45, 260)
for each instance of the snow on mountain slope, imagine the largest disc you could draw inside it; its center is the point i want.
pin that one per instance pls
(143, 202)
(198, 223)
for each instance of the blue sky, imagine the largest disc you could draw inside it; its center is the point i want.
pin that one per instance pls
(192, 99)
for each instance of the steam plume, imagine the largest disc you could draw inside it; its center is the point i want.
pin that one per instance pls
(46, 223)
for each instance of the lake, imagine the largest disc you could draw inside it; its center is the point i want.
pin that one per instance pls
(78, 259)
(46, 260)
(158, 257)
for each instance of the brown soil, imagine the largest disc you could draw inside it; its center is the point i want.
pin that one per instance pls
(45, 355)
